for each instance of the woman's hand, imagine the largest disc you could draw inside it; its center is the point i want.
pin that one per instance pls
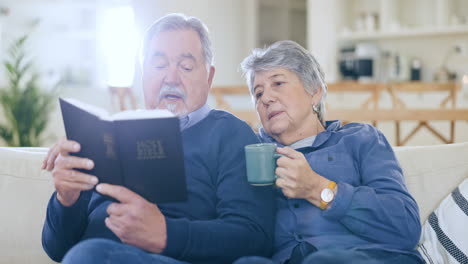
(296, 178)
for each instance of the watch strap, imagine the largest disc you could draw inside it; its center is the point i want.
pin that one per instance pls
(331, 186)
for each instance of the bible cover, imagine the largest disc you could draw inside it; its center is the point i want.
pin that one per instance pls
(141, 150)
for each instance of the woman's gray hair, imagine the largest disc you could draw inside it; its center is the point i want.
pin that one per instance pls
(293, 57)
(178, 21)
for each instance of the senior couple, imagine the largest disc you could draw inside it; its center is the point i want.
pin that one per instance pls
(339, 196)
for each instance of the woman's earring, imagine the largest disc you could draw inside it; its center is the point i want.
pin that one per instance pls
(315, 108)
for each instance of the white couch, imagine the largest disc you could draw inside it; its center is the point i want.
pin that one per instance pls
(431, 173)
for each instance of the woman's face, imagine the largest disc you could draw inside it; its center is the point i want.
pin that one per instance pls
(284, 106)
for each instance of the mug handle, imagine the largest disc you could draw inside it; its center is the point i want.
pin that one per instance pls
(276, 156)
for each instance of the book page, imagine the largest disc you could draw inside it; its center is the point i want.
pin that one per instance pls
(142, 114)
(124, 115)
(92, 109)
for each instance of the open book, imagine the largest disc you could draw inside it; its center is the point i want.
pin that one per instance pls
(140, 149)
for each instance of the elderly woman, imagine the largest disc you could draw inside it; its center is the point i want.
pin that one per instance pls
(341, 195)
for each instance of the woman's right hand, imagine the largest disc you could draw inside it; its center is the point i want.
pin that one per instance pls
(67, 181)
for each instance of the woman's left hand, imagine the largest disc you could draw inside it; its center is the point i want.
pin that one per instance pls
(296, 178)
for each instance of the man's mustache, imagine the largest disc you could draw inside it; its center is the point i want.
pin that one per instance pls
(174, 90)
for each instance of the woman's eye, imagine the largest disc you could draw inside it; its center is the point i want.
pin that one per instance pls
(258, 95)
(279, 83)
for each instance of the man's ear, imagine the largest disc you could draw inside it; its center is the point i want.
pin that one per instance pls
(211, 75)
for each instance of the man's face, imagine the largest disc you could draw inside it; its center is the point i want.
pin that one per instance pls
(175, 76)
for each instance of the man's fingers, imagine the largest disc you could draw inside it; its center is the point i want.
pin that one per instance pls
(72, 162)
(76, 186)
(67, 146)
(117, 209)
(75, 176)
(120, 193)
(50, 158)
(114, 225)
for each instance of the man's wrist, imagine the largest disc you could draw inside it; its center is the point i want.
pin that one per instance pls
(66, 202)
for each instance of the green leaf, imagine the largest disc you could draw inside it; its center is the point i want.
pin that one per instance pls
(26, 107)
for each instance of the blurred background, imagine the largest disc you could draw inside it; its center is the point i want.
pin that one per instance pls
(410, 57)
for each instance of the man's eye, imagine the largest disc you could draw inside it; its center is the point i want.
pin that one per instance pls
(160, 65)
(279, 83)
(186, 68)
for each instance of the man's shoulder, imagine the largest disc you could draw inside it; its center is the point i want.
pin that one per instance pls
(225, 119)
(221, 114)
(227, 124)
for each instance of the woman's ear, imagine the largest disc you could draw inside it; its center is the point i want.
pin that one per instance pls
(317, 97)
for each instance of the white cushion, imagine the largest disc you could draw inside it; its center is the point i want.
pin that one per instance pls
(432, 172)
(445, 234)
(24, 193)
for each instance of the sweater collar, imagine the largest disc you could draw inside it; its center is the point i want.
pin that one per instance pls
(321, 138)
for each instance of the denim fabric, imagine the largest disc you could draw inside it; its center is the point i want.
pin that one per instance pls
(105, 251)
(339, 256)
(372, 208)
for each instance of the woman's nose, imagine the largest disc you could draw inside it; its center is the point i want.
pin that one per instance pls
(268, 96)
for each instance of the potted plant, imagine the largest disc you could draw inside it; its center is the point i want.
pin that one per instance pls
(26, 107)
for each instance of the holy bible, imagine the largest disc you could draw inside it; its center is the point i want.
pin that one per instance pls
(141, 149)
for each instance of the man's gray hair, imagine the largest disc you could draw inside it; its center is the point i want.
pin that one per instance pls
(289, 55)
(172, 22)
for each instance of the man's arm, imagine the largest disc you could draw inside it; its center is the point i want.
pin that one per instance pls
(245, 214)
(67, 209)
(64, 226)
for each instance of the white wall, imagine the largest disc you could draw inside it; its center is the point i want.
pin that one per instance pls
(226, 21)
(233, 26)
(322, 22)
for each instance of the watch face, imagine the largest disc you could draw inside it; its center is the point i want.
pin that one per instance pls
(327, 195)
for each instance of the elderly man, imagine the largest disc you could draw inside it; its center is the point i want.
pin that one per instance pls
(224, 218)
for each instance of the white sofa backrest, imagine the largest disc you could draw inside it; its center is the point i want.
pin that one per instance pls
(432, 172)
(25, 190)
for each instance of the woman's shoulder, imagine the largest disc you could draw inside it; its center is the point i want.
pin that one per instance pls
(359, 130)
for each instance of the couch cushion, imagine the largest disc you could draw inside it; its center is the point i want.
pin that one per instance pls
(24, 192)
(444, 236)
(432, 172)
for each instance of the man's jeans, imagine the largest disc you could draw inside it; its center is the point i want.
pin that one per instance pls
(104, 251)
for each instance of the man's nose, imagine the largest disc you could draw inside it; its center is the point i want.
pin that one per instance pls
(172, 75)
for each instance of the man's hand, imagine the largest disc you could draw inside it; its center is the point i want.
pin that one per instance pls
(296, 178)
(49, 161)
(134, 220)
(69, 182)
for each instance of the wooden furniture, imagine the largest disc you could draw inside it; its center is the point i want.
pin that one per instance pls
(122, 98)
(370, 104)
(220, 92)
(370, 109)
(396, 89)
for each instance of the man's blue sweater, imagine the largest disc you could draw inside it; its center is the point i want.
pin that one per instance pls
(224, 217)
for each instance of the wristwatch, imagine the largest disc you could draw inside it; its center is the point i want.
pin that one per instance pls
(327, 195)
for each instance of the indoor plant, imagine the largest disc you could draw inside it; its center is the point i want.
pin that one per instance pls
(26, 107)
